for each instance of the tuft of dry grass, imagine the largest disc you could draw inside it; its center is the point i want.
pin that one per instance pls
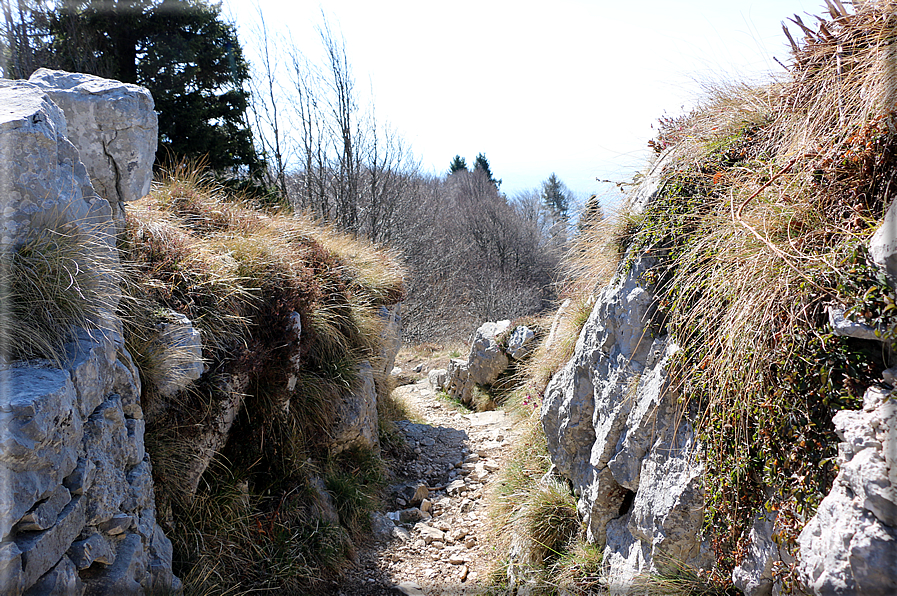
(59, 279)
(244, 276)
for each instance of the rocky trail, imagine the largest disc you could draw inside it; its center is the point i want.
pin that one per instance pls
(433, 537)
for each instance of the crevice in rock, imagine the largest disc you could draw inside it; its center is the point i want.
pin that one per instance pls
(626, 504)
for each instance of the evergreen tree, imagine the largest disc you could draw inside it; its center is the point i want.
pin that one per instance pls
(481, 163)
(556, 197)
(184, 53)
(458, 164)
(591, 215)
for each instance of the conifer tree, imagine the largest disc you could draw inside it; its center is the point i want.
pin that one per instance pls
(458, 164)
(184, 53)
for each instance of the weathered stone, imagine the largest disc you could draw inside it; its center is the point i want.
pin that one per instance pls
(106, 444)
(92, 369)
(486, 360)
(113, 125)
(437, 378)
(96, 548)
(129, 574)
(883, 245)
(390, 337)
(429, 533)
(82, 476)
(459, 384)
(10, 568)
(42, 180)
(40, 435)
(850, 545)
(520, 344)
(755, 575)
(45, 513)
(41, 551)
(161, 577)
(117, 525)
(847, 328)
(62, 580)
(182, 361)
(357, 414)
(381, 527)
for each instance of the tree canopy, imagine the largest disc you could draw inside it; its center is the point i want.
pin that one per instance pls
(481, 163)
(181, 50)
(458, 164)
(557, 197)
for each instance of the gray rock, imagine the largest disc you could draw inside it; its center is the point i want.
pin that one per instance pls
(755, 575)
(883, 245)
(437, 378)
(113, 125)
(182, 361)
(390, 337)
(845, 327)
(62, 580)
(613, 430)
(106, 444)
(850, 545)
(129, 574)
(99, 548)
(381, 527)
(10, 568)
(44, 514)
(458, 383)
(41, 551)
(357, 424)
(408, 589)
(41, 175)
(40, 436)
(486, 360)
(520, 344)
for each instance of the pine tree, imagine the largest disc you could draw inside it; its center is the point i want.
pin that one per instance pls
(556, 197)
(458, 164)
(185, 54)
(481, 163)
(592, 215)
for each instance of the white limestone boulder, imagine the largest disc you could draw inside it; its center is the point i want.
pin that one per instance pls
(850, 545)
(113, 125)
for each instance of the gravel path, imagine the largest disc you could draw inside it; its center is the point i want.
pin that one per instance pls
(435, 542)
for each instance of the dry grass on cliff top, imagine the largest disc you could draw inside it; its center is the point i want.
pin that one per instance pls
(769, 199)
(241, 274)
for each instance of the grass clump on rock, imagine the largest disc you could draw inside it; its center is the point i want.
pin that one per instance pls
(287, 311)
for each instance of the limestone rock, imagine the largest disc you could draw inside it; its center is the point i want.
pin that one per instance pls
(113, 125)
(883, 245)
(520, 344)
(486, 359)
(357, 414)
(40, 435)
(182, 350)
(41, 176)
(850, 545)
(437, 378)
(391, 336)
(62, 580)
(755, 575)
(613, 430)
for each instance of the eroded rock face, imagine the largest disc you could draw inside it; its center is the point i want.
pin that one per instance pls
(850, 545)
(612, 428)
(114, 127)
(76, 489)
(357, 424)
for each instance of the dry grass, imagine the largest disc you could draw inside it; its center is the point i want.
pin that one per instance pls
(242, 276)
(59, 279)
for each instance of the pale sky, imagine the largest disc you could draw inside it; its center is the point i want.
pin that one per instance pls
(567, 86)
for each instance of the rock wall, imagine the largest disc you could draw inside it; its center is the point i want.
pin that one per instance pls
(614, 432)
(610, 421)
(77, 513)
